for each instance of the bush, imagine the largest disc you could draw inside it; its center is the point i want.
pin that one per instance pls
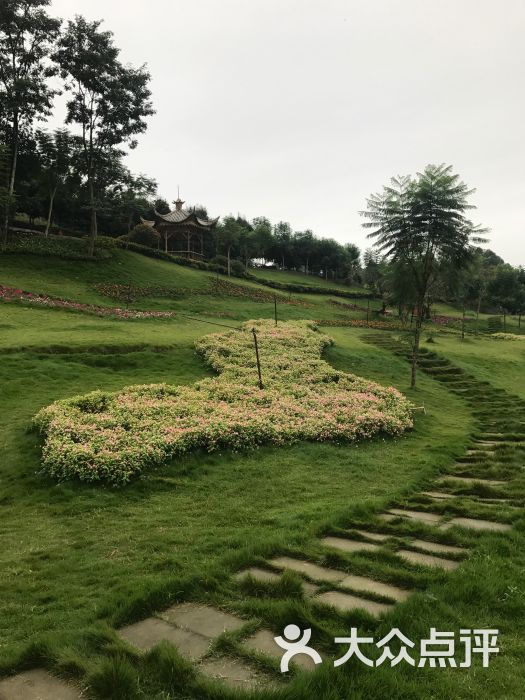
(65, 247)
(140, 427)
(310, 289)
(144, 235)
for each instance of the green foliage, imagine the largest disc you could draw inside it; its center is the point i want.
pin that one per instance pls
(64, 247)
(144, 235)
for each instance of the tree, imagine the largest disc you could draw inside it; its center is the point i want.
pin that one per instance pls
(57, 152)
(282, 234)
(109, 101)
(229, 233)
(27, 34)
(421, 222)
(262, 236)
(133, 196)
(303, 247)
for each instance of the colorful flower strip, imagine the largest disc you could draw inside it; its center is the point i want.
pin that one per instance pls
(114, 437)
(19, 295)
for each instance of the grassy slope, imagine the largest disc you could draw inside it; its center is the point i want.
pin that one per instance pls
(288, 276)
(75, 559)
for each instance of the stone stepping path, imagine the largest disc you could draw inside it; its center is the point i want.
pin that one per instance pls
(420, 516)
(345, 602)
(472, 480)
(263, 642)
(475, 524)
(191, 628)
(438, 495)
(377, 536)
(146, 634)
(350, 546)
(345, 580)
(427, 560)
(37, 684)
(437, 548)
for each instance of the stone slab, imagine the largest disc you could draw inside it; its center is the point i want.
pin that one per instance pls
(438, 495)
(472, 480)
(377, 536)
(263, 642)
(437, 548)
(233, 673)
(370, 585)
(258, 575)
(309, 588)
(346, 602)
(318, 573)
(146, 634)
(37, 684)
(202, 619)
(427, 560)
(420, 516)
(350, 546)
(476, 524)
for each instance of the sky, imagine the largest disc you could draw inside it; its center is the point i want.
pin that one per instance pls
(298, 110)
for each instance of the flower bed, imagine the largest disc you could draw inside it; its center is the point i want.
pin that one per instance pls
(113, 437)
(363, 323)
(223, 287)
(13, 294)
(507, 336)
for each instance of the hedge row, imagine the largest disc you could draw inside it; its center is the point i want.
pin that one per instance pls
(65, 247)
(310, 289)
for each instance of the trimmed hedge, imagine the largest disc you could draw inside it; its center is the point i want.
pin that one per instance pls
(310, 289)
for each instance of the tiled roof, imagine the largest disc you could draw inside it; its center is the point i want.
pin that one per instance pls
(183, 216)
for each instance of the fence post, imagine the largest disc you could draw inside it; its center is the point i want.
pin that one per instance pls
(257, 358)
(275, 307)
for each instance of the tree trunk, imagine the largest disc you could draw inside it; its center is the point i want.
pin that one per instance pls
(415, 349)
(477, 314)
(463, 323)
(306, 266)
(93, 222)
(229, 264)
(12, 176)
(50, 210)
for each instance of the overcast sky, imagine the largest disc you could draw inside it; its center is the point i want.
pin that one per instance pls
(299, 109)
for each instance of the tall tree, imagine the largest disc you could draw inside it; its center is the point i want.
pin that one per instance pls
(422, 222)
(27, 34)
(110, 101)
(229, 233)
(58, 152)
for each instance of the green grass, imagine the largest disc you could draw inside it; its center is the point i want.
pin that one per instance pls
(76, 562)
(291, 277)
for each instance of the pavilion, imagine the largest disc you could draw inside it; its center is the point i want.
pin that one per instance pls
(182, 231)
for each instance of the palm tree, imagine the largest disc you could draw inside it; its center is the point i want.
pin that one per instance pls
(421, 221)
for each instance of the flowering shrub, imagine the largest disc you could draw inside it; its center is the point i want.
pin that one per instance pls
(363, 323)
(222, 287)
(130, 292)
(115, 436)
(351, 307)
(13, 294)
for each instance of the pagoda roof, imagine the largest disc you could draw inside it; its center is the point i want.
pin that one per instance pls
(185, 217)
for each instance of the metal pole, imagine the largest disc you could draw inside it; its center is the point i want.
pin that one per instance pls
(275, 307)
(257, 357)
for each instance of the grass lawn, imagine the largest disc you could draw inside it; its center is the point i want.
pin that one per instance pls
(76, 562)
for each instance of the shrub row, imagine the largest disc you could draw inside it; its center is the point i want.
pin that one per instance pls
(65, 247)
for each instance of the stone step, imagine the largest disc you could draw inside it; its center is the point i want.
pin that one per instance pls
(345, 602)
(476, 524)
(438, 495)
(37, 684)
(420, 516)
(437, 548)
(358, 583)
(472, 480)
(363, 584)
(377, 536)
(427, 559)
(350, 546)
(202, 619)
(263, 642)
(313, 571)
(234, 673)
(146, 634)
